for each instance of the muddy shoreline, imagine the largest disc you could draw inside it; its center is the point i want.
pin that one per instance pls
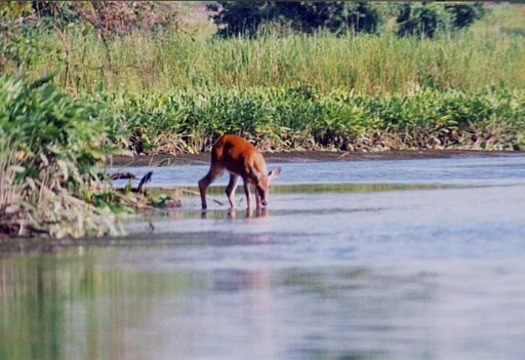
(306, 156)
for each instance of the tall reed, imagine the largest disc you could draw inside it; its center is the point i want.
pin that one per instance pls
(468, 61)
(10, 193)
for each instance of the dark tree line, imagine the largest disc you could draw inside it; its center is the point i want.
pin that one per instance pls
(423, 19)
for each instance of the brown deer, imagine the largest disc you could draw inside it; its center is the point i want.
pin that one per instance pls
(241, 159)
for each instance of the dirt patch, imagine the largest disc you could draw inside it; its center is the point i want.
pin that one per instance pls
(306, 156)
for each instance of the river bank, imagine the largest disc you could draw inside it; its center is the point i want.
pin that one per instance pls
(306, 156)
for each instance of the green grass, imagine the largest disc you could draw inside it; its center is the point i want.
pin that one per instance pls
(490, 53)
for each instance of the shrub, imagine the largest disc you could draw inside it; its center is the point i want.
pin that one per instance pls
(48, 178)
(51, 130)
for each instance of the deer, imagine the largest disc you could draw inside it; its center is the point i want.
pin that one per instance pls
(241, 159)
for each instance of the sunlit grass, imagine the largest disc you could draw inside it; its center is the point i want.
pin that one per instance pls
(490, 53)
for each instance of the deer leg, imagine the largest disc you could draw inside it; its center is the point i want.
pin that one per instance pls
(214, 172)
(258, 200)
(248, 194)
(230, 189)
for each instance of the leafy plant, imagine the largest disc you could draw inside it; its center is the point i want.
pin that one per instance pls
(281, 118)
(51, 130)
(55, 143)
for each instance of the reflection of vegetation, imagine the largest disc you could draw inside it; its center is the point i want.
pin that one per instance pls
(50, 304)
(342, 188)
(32, 314)
(315, 281)
(335, 188)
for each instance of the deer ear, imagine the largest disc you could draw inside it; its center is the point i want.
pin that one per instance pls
(274, 173)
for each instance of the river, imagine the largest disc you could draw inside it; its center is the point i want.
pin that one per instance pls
(388, 259)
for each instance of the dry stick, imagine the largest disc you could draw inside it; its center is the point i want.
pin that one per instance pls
(207, 196)
(165, 162)
(122, 175)
(69, 54)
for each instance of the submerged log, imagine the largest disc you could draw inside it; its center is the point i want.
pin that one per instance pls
(127, 175)
(122, 175)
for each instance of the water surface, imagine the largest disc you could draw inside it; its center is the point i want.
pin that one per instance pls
(370, 259)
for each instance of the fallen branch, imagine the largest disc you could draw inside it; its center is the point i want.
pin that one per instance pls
(145, 179)
(122, 175)
(207, 197)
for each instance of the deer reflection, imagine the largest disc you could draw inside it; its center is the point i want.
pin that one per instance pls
(234, 214)
(259, 212)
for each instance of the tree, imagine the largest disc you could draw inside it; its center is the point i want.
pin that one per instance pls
(246, 18)
(464, 15)
(417, 19)
(425, 19)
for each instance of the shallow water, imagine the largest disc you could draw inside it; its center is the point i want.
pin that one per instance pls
(394, 259)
